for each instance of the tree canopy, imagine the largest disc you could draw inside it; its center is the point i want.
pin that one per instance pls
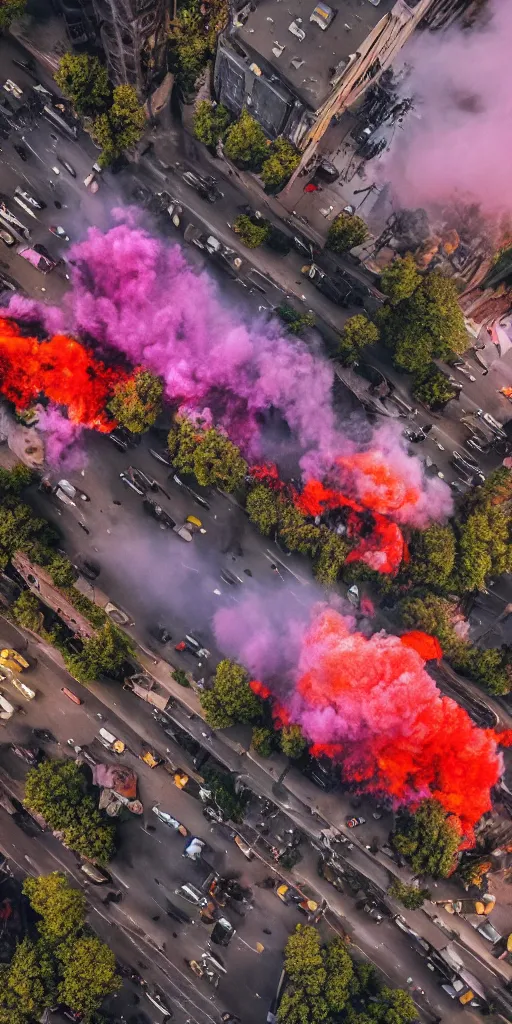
(432, 554)
(246, 143)
(58, 790)
(345, 232)
(410, 896)
(137, 402)
(121, 126)
(84, 81)
(88, 973)
(262, 508)
(292, 740)
(61, 909)
(252, 231)
(358, 332)
(428, 839)
(296, 322)
(231, 700)
(432, 387)
(104, 653)
(210, 122)
(279, 165)
(400, 279)
(217, 462)
(428, 324)
(9, 11)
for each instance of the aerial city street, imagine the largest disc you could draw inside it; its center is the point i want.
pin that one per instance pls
(255, 512)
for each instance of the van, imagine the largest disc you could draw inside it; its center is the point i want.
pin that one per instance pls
(192, 895)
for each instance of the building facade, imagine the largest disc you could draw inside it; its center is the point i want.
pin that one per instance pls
(296, 73)
(133, 34)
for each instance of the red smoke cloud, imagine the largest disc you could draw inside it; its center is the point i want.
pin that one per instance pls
(370, 705)
(380, 490)
(62, 370)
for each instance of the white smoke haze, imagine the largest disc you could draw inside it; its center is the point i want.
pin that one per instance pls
(460, 141)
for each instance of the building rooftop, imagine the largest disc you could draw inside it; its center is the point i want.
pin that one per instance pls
(307, 55)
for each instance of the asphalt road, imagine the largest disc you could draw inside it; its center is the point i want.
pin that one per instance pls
(145, 855)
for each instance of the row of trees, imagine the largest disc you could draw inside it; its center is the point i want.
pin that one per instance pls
(59, 790)
(115, 118)
(324, 984)
(59, 961)
(246, 144)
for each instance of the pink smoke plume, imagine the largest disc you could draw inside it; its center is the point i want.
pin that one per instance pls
(62, 443)
(369, 704)
(461, 141)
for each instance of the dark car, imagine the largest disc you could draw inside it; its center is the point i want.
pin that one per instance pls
(223, 932)
(90, 570)
(160, 633)
(123, 439)
(31, 755)
(161, 456)
(157, 512)
(67, 166)
(186, 482)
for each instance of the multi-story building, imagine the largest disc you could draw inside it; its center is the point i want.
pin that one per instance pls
(134, 35)
(296, 67)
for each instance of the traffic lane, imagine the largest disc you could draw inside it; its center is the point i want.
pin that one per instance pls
(130, 944)
(147, 855)
(217, 218)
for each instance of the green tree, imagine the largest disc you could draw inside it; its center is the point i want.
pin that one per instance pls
(232, 804)
(400, 279)
(345, 232)
(9, 11)
(121, 126)
(194, 38)
(280, 164)
(296, 322)
(231, 700)
(429, 324)
(210, 122)
(58, 790)
(410, 896)
(428, 838)
(263, 509)
(217, 462)
(432, 387)
(252, 231)
(358, 332)
(340, 970)
(84, 81)
(304, 961)
(61, 570)
(62, 909)
(31, 981)
(263, 740)
(137, 402)
(432, 554)
(246, 143)
(182, 443)
(104, 653)
(332, 554)
(292, 741)
(296, 533)
(27, 611)
(14, 481)
(88, 974)
(18, 527)
(393, 1006)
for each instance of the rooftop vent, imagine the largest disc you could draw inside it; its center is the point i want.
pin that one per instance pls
(323, 15)
(297, 31)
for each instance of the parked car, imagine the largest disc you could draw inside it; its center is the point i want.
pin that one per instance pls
(67, 166)
(94, 873)
(354, 822)
(160, 633)
(222, 932)
(193, 646)
(191, 894)
(31, 755)
(41, 261)
(29, 198)
(168, 819)
(6, 237)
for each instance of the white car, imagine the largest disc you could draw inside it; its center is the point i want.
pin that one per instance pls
(14, 89)
(194, 848)
(167, 819)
